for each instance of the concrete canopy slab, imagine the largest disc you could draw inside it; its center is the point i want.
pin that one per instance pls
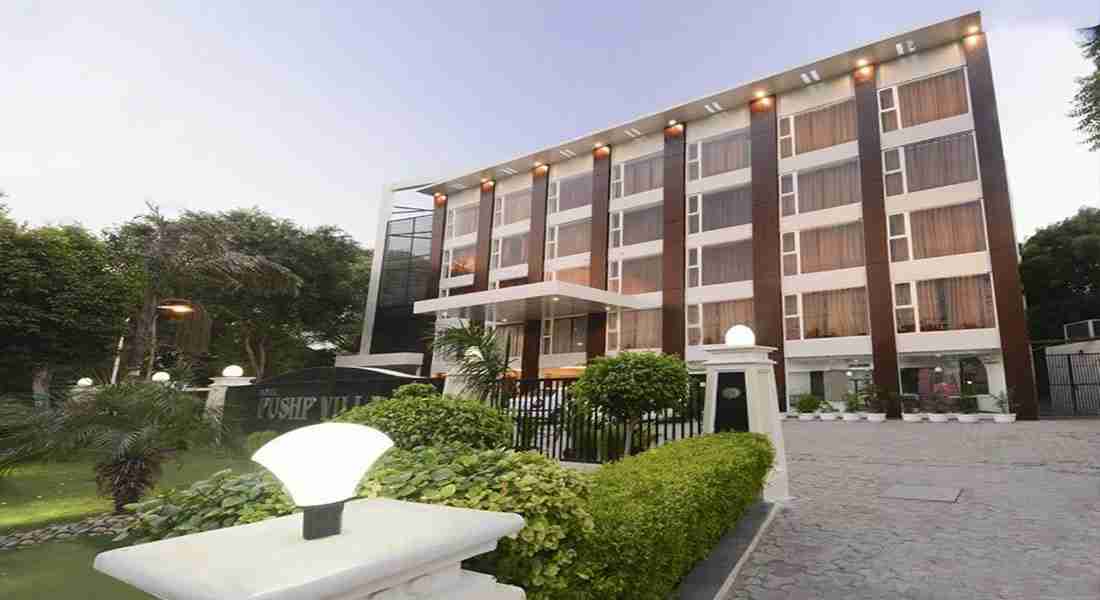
(545, 299)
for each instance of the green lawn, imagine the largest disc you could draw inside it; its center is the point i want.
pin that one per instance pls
(60, 570)
(43, 493)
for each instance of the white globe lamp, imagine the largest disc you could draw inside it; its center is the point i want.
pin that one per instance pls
(740, 335)
(233, 371)
(84, 382)
(161, 377)
(321, 467)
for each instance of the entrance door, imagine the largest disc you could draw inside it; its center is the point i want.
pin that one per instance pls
(732, 408)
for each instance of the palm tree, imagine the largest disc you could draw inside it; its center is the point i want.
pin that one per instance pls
(479, 356)
(131, 429)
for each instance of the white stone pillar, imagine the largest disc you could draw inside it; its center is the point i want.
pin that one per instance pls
(763, 408)
(215, 398)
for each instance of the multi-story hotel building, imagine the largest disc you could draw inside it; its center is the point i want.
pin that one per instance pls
(853, 211)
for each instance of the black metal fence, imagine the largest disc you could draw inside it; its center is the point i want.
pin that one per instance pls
(547, 420)
(1068, 384)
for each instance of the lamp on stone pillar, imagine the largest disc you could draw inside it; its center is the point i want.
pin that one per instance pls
(741, 396)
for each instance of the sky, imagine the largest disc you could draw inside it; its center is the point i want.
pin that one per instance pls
(307, 111)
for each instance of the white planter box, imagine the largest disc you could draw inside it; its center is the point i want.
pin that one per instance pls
(1003, 418)
(806, 416)
(937, 418)
(827, 416)
(852, 417)
(876, 417)
(912, 417)
(968, 418)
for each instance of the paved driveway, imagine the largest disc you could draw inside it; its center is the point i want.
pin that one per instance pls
(1026, 526)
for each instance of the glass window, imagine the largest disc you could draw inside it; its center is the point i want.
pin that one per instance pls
(933, 98)
(718, 317)
(643, 174)
(726, 153)
(828, 248)
(512, 208)
(643, 225)
(939, 162)
(510, 339)
(956, 303)
(578, 275)
(513, 250)
(462, 260)
(830, 186)
(642, 275)
(727, 208)
(464, 221)
(570, 335)
(640, 329)
(574, 238)
(575, 191)
(825, 127)
(726, 263)
(835, 313)
(948, 230)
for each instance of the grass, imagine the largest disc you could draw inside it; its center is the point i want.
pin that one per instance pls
(39, 494)
(61, 569)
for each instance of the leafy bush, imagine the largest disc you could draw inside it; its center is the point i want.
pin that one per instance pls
(968, 405)
(807, 403)
(414, 390)
(413, 421)
(257, 439)
(658, 513)
(853, 402)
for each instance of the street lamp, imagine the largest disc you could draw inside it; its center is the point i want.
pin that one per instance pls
(740, 335)
(84, 382)
(232, 371)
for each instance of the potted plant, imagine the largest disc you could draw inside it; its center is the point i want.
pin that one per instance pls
(1004, 403)
(910, 409)
(826, 411)
(853, 405)
(937, 408)
(807, 405)
(876, 398)
(968, 409)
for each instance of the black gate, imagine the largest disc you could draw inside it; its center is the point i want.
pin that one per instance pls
(309, 396)
(1068, 384)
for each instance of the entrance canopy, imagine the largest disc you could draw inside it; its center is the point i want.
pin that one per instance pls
(532, 301)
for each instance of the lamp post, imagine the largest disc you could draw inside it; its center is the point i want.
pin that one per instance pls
(173, 307)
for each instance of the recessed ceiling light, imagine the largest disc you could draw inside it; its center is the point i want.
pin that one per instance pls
(760, 93)
(806, 79)
(911, 46)
(813, 73)
(863, 62)
(900, 49)
(973, 29)
(671, 122)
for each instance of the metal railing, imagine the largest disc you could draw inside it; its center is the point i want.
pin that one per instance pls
(546, 419)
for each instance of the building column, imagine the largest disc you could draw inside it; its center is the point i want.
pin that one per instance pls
(1000, 231)
(484, 235)
(880, 295)
(439, 226)
(767, 275)
(596, 344)
(673, 252)
(536, 267)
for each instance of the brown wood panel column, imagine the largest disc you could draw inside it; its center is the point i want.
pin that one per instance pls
(484, 236)
(536, 267)
(596, 344)
(674, 240)
(1001, 232)
(767, 278)
(439, 226)
(884, 347)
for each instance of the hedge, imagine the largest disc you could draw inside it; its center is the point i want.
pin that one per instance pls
(433, 420)
(658, 513)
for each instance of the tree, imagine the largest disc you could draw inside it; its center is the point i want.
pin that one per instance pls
(63, 301)
(173, 255)
(1086, 102)
(478, 354)
(1060, 271)
(132, 428)
(627, 386)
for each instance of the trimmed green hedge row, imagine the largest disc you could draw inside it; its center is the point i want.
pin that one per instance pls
(658, 513)
(433, 420)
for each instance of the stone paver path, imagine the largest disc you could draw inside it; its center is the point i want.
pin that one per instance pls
(1027, 525)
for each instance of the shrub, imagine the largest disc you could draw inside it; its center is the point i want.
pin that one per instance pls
(257, 439)
(434, 420)
(968, 405)
(807, 403)
(658, 513)
(415, 390)
(853, 402)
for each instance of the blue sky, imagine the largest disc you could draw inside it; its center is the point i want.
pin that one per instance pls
(307, 111)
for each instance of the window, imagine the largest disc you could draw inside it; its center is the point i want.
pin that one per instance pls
(955, 303)
(507, 283)
(571, 238)
(694, 324)
(727, 263)
(510, 251)
(930, 164)
(790, 253)
(577, 275)
(512, 208)
(639, 329)
(564, 335)
(904, 311)
(899, 238)
(570, 192)
(933, 98)
(721, 154)
(510, 339)
(835, 313)
(615, 230)
(643, 225)
(948, 230)
(718, 209)
(786, 138)
(460, 261)
(461, 221)
(829, 248)
(792, 315)
(824, 127)
(834, 185)
(637, 176)
(788, 195)
(614, 276)
(641, 275)
(718, 317)
(888, 110)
